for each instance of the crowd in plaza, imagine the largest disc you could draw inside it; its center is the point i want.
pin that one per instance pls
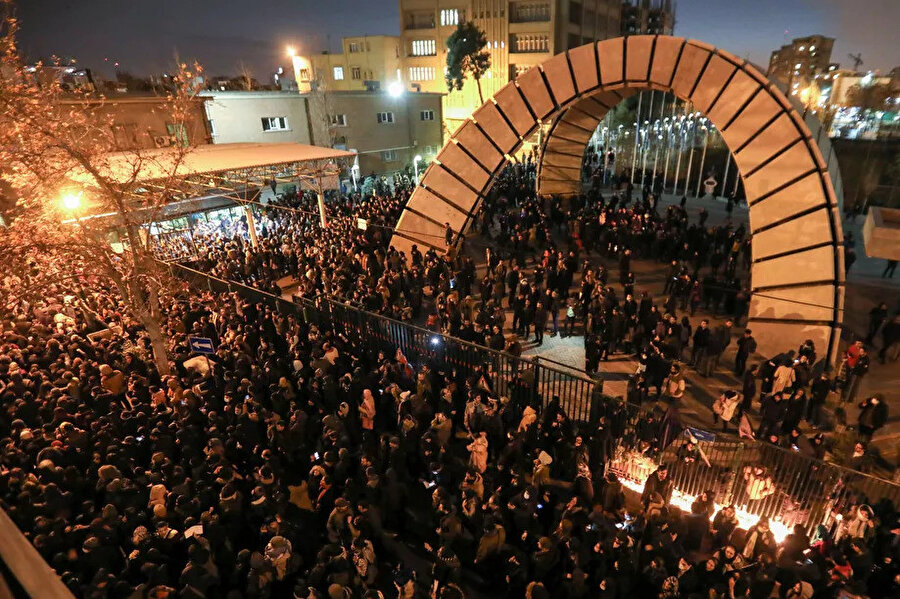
(310, 462)
(313, 461)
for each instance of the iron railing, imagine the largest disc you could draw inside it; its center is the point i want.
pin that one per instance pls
(792, 488)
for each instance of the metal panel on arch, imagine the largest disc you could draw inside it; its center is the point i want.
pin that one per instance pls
(797, 274)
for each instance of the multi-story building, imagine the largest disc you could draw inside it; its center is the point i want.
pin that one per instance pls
(655, 17)
(796, 65)
(520, 33)
(387, 131)
(366, 63)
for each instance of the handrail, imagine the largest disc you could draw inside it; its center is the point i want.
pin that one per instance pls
(475, 346)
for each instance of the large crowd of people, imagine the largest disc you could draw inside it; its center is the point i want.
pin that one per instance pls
(311, 462)
(318, 461)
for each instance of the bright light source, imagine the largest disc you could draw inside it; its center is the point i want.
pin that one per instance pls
(291, 52)
(418, 158)
(436, 340)
(71, 201)
(395, 89)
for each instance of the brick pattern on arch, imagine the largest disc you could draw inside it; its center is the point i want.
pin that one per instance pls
(797, 273)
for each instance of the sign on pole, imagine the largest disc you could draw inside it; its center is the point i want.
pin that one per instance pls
(201, 345)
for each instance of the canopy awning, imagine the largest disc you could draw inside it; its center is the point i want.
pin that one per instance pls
(252, 160)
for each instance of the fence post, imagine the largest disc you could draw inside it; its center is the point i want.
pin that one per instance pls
(736, 471)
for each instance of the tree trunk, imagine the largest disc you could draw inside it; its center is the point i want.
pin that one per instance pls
(478, 83)
(158, 342)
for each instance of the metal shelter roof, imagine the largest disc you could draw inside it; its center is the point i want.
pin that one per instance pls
(250, 160)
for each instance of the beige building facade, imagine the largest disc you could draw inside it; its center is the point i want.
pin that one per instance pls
(521, 34)
(365, 62)
(387, 131)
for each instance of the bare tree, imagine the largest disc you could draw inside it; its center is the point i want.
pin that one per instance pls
(63, 164)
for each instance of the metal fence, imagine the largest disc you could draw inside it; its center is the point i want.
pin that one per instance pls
(764, 480)
(524, 378)
(760, 479)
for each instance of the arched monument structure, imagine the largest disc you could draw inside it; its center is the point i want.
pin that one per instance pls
(797, 274)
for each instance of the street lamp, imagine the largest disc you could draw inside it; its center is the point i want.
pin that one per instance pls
(72, 201)
(416, 160)
(395, 89)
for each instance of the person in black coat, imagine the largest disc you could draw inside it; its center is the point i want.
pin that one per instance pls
(873, 415)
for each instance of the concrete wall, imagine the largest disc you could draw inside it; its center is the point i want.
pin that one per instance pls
(407, 136)
(237, 116)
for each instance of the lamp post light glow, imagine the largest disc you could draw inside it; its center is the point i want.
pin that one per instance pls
(395, 89)
(416, 160)
(71, 201)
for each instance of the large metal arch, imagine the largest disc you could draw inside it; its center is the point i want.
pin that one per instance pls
(797, 275)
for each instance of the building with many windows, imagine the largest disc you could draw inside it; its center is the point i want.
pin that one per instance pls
(653, 17)
(521, 34)
(386, 131)
(366, 62)
(796, 65)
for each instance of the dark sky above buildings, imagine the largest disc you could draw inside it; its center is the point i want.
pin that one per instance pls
(144, 36)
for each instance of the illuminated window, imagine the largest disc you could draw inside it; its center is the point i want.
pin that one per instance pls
(338, 73)
(450, 16)
(421, 73)
(423, 48)
(355, 73)
(354, 47)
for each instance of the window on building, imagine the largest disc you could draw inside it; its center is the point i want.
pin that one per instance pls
(355, 73)
(354, 47)
(389, 156)
(178, 133)
(304, 74)
(450, 16)
(338, 73)
(424, 48)
(274, 123)
(427, 115)
(339, 120)
(421, 73)
(385, 118)
(212, 128)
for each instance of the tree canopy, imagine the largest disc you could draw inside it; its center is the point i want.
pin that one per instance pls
(467, 54)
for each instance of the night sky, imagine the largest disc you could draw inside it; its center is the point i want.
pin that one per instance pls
(144, 36)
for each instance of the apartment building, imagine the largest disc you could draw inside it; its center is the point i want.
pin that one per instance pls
(521, 34)
(795, 65)
(367, 62)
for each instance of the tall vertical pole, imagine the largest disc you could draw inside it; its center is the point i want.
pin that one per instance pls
(670, 128)
(687, 176)
(637, 132)
(681, 136)
(606, 134)
(702, 159)
(647, 139)
(725, 176)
